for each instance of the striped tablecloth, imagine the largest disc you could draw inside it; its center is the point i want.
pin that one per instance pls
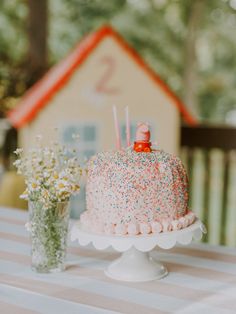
(202, 279)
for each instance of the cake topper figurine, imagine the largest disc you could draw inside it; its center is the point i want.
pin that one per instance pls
(142, 142)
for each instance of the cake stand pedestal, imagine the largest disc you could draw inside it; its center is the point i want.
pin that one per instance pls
(135, 263)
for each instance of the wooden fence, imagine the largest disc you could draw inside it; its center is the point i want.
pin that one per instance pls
(209, 154)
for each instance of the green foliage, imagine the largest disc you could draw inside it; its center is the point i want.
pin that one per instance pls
(158, 29)
(216, 61)
(13, 47)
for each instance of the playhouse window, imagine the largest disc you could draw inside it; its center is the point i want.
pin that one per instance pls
(88, 140)
(89, 133)
(89, 152)
(87, 146)
(67, 134)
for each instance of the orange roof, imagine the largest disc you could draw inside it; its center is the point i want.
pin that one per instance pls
(39, 95)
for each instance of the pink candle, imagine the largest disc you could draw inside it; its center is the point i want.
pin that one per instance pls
(117, 128)
(127, 122)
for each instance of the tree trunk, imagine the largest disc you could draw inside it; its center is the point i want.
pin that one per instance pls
(37, 32)
(190, 71)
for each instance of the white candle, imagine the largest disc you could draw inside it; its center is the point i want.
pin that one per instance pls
(117, 128)
(127, 122)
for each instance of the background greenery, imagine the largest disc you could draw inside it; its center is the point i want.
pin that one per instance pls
(191, 44)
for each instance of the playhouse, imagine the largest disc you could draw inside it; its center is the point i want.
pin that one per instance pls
(78, 93)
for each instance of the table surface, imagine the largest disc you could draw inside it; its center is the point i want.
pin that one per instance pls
(202, 279)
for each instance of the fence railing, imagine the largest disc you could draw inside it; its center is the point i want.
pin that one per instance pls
(209, 154)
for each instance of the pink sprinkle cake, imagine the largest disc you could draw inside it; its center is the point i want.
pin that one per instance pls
(135, 191)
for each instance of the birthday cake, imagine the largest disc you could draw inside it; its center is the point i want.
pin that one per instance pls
(138, 190)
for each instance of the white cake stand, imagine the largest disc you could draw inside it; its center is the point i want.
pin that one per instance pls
(135, 264)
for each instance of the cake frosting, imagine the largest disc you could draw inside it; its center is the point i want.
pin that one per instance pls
(136, 191)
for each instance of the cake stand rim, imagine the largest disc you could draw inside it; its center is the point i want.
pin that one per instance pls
(143, 243)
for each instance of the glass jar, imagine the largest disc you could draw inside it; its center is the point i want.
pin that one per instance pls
(49, 230)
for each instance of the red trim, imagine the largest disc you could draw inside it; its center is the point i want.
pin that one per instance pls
(38, 96)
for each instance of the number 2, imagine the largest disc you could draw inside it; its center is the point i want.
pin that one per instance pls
(102, 85)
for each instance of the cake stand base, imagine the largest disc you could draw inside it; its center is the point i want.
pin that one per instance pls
(134, 265)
